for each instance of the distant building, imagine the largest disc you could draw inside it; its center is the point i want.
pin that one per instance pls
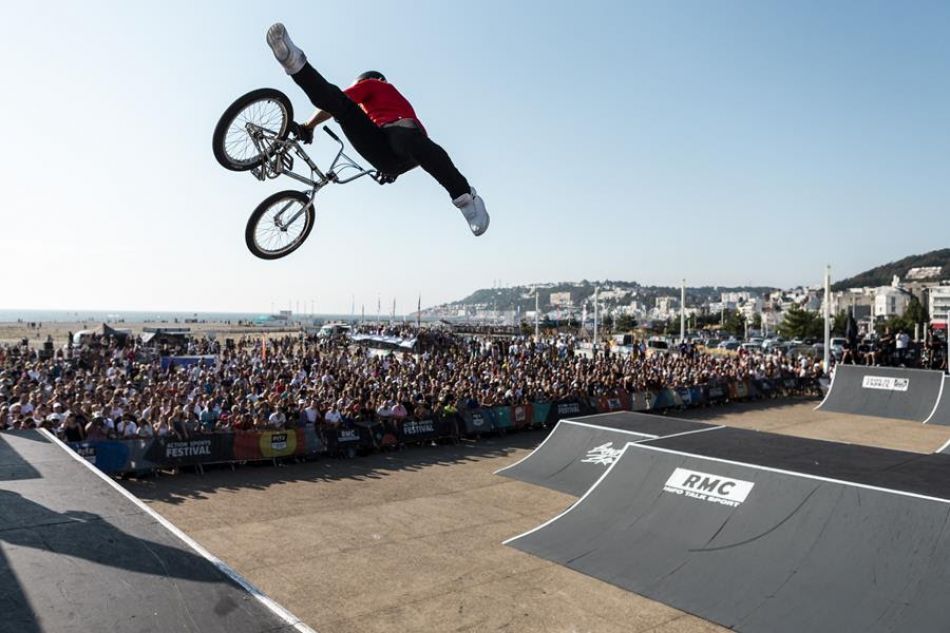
(924, 272)
(889, 302)
(939, 303)
(560, 298)
(735, 297)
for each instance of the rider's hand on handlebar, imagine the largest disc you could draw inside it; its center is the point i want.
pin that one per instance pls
(303, 133)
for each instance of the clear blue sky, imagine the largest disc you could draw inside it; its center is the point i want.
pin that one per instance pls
(725, 142)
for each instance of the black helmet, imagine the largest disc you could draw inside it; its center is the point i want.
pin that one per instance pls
(371, 74)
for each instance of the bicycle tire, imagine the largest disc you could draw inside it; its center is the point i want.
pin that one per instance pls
(219, 139)
(250, 232)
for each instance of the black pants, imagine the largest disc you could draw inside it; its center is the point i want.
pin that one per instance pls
(391, 150)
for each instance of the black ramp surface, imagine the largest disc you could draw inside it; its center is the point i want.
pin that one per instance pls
(578, 451)
(918, 473)
(941, 414)
(885, 392)
(77, 555)
(758, 550)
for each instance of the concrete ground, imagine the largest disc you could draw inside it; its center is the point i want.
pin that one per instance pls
(411, 541)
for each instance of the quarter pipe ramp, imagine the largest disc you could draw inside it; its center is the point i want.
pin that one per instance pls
(578, 451)
(761, 549)
(885, 392)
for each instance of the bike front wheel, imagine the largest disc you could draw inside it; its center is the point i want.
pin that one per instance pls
(280, 224)
(249, 126)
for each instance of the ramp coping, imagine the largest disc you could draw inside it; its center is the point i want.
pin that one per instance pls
(566, 421)
(601, 478)
(943, 384)
(269, 603)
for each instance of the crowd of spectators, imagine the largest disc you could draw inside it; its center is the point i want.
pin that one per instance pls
(896, 349)
(109, 389)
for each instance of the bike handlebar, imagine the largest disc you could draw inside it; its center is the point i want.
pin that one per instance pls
(332, 134)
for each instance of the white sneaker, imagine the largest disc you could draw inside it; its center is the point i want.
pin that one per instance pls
(286, 52)
(473, 208)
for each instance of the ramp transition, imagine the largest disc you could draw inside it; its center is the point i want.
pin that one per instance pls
(79, 554)
(941, 413)
(762, 549)
(885, 392)
(578, 451)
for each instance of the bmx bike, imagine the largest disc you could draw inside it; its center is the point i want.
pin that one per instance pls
(257, 133)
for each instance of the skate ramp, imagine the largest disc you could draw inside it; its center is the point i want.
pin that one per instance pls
(884, 392)
(77, 553)
(760, 549)
(578, 451)
(941, 413)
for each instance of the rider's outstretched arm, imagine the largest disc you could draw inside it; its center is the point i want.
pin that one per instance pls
(318, 117)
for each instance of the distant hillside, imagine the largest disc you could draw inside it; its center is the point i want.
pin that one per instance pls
(882, 275)
(612, 293)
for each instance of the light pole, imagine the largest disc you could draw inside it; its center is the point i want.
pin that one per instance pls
(537, 316)
(827, 350)
(683, 312)
(596, 290)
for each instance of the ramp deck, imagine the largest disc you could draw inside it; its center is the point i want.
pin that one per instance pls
(76, 554)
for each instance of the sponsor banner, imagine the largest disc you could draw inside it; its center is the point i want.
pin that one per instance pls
(738, 390)
(266, 444)
(607, 404)
(540, 411)
(684, 396)
(568, 409)
(477, 421)
(641, 401)
(198, 449)
(312, 441)
(666, 399)
(708, 487)
(885, 383)
(716, 393)
(697, 395)
(522, 416)
(109, 456)
(503, 421)
(417, 431)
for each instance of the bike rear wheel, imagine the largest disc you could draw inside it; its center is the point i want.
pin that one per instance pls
(248, 126)
(280, 224)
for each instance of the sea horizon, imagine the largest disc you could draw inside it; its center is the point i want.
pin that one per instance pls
(13, 316)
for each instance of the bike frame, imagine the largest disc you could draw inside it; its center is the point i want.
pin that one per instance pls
(278, 162)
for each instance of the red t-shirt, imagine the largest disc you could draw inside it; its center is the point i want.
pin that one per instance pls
(381, 102)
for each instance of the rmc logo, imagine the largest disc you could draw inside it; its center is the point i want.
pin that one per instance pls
(707, 487)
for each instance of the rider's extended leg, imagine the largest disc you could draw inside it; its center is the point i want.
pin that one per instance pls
(362, 133)
(417, 146)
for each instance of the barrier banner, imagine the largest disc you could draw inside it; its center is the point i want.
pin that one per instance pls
(567, 409)
(697, 395)
(665, 399)
(312, 441)
(790, 384)
(606, 404)
(503, 419)
(641, 401)
(266, 445)
(521, 416)
(716, 393)
(540, 411)
(684, 396)
(111, 457)
(198, 449)
(477, 421)
(743, 390)
(414, 431)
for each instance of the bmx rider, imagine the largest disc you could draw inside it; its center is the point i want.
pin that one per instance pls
(380, 123)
